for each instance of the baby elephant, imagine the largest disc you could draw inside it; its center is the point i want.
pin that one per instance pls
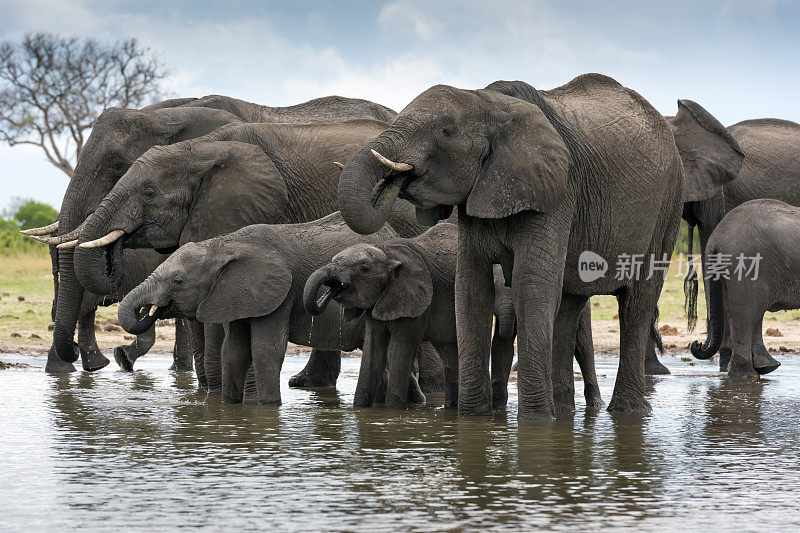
(407, 288)
(252, 281)
(754, 254)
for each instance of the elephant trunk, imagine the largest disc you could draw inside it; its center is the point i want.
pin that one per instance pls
(69, 298)
(690, 284)
(129, 316)
(99, 269)
(368, 187)
(716, 322)
(314, 303)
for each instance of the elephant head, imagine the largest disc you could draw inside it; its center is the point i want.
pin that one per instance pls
(176, 194)
(495, 154)
(118, 138)
(392, 280)
(215, 281)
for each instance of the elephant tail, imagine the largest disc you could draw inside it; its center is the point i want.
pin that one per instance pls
(690, 284)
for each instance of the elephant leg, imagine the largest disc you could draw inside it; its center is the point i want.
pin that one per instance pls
(564, 343)
(474, 295)
(250, 388)
(197, 343)
(182, 350)
(725, 348)
(636, 308)
(742, 325)
(431, 370)
(321, 370)
(404, 342)
(269, 336)
(449, 356)
(502, 357)
(763, 361)
(373, 364)
(92, 359)
(236, 359)
(584, 354)
(55, 365)
(414, 394)
(213, 337)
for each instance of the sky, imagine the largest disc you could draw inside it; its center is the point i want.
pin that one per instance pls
(737, 58)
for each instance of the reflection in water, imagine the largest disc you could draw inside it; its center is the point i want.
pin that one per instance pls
(148, 449)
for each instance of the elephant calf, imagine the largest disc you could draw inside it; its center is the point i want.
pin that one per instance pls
(252, 281)
(763, 233)
(406, 289)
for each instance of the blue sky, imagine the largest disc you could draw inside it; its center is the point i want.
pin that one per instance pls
(738, 58)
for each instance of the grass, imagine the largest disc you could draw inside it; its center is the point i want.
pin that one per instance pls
(28, 276)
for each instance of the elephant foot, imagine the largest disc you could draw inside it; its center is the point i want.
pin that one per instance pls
(564, 402)
(654, 367)
(499, 395)
(121, 357)
(629, 405)
(181, 366)
(593, 399)
(202, 383)
(535, 416)
(415, 394)
(724, 359)
(214, 388)
(93, 360)
(227, 398)
(739, 373)
(57, 366)
(321, 371)
(763, 362)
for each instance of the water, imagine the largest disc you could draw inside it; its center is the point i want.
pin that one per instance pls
(146, 450)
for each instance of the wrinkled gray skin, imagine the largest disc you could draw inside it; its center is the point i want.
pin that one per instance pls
(118, 138)
(405, 287)
(239, 175)
(769, 228)
(771, 169)
(252, 281)
(524, 173)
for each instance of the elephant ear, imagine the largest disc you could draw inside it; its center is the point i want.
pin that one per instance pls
(527, 164)
(238, 185)
(711, 156)
(410, 289)
(253, 282)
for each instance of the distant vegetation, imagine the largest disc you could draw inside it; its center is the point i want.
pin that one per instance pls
(27, 214)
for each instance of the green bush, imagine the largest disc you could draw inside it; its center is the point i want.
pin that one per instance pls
(29, 214)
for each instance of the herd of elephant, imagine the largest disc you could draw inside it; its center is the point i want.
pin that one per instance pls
(331, 224)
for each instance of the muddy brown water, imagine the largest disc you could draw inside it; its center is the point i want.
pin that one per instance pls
(149, 451)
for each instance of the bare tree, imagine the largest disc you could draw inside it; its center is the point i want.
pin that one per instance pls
(53, 88)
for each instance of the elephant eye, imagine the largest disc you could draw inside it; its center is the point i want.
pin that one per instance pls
(177, 280)
(148, 192)
(447, 131)
(364, 267)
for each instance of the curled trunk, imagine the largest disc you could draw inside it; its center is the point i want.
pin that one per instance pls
(716, 322)
(363, 213)
(313, 303)
(99, 270)
(129, 316)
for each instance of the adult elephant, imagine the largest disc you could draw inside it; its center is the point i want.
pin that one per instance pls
(239, 175)
(118, 138)
(538, 179)
(771, 169)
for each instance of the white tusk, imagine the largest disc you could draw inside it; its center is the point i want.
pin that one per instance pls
(102, 241)
(153, 310)
(44, 230)
(142, 310)
(400, 167)
(68, 244)
(341, 166)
